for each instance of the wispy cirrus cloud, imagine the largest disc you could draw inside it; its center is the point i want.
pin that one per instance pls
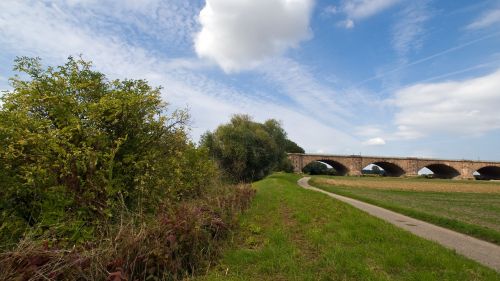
(300, 85)
(357, 10)
(403, 66)
(487, 19)
(330, 10)
(171, 23)
(368, 130)
(409, 31)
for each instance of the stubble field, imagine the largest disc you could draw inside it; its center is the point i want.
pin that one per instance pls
(470, 207)
(436, 185)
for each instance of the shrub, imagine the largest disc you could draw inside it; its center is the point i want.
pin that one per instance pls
(176, 243)
(75, 148)
(285, 166)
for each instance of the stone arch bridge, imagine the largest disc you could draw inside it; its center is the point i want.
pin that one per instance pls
(400, 166)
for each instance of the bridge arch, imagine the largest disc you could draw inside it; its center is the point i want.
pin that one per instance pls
(442, 171)
(339, 168)
(489, 173)
(390, 169)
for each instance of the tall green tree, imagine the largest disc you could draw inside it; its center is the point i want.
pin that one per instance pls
(247, 150)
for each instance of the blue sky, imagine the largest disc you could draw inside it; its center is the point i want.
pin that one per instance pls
(379, 77)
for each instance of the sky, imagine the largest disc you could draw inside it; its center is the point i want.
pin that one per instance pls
(370, 77)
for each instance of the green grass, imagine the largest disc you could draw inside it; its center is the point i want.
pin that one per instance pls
(475, 214)
(294, 234)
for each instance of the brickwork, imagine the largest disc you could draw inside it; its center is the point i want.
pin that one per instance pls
(400, 166)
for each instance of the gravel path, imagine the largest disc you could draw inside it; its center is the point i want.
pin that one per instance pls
(483, 252)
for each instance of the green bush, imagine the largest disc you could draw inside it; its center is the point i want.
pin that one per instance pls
(176, 243)
(285, 166)
(76, 148)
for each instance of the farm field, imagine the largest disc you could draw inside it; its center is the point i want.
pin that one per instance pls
(414, 184)
(470, 207)
(290, 233)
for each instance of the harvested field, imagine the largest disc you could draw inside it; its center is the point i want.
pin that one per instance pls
(415, 184)
(470, 207)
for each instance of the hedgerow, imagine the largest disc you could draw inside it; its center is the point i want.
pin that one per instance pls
(97, 172)
(176, 243)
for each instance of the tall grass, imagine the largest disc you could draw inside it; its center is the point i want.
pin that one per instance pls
(178, 242)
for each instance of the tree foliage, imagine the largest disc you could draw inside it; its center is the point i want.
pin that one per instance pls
(247, 150)
(376, 170)
(75, 147)
(292, 147)
(318, 168)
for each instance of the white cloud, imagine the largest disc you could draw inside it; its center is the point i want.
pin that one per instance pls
(488, 19)
(408, 31)
(359, 9)
(367, 131)
(312, 95)
(462, 108)
(306, 130)
(408, 35)
(240, 34)
(301, 86)
(356, 10)
(331, 10)
(172, 22)
(374, 142)
(348, 23)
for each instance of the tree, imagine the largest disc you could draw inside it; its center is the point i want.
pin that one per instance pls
(292, 147)
(318, 168)
(247, 150)
(376, 170)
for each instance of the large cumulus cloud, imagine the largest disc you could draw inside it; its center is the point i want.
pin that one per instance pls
(239, 34)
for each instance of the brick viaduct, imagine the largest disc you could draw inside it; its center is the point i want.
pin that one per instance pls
(400, 166)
